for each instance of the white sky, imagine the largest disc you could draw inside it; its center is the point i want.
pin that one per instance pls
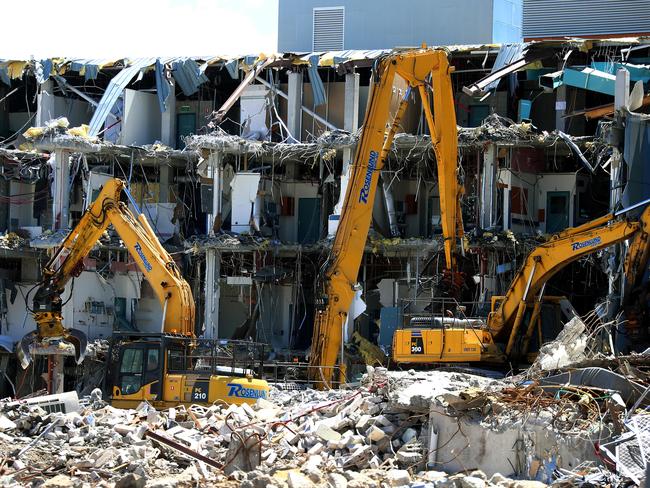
(131, 28)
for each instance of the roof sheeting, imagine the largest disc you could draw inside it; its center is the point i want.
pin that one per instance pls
(188, 75)
(508, 54)
(113, 92)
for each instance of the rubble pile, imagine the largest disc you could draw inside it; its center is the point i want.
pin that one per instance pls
(435, 429)
(369, 436)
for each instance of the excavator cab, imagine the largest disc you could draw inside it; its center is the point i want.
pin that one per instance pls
(167, 370)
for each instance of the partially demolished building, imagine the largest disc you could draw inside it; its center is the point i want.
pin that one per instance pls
(241, 163)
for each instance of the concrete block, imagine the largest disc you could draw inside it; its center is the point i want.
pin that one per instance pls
(6, 424)
(363, 422)
(408, 435)
(316, 449)
(375, 434)
(131, 480)
(472, 482)
(327, 434)
(298, 480)
(398, 477)
(336, 480)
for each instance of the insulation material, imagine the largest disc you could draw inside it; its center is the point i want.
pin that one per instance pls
(244, 194)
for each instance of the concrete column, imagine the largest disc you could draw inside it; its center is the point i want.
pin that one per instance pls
(621, 100)
(506, 208)
(294, 105)
(164, 183)
(61, 190)
(351, 109)
(215, 171)
(351, 124)
(45, 104)
(168, 119)
(4, 209)
(488, 179)
(212, 293)
(622, 89)
(560, 107)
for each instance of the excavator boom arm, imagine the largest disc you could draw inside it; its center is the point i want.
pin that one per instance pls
(151, 258)
(549, 258)
(416, 68)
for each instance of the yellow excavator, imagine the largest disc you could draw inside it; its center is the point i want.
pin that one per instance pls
(166, 367)
(424, 70)
(452, 340)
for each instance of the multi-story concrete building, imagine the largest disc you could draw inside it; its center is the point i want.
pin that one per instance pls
(245, 207)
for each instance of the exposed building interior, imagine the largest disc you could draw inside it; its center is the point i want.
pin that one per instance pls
(240, 166)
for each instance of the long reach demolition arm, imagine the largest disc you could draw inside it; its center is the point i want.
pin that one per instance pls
(421, 70)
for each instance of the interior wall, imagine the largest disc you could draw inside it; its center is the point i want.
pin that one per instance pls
(233, 308)
(142, 122)
(21, 210)
(296, 190)
(77, 313)
(76, 111)
(275, 319)
(550, 182)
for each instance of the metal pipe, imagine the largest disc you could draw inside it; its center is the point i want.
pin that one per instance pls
(642, 203)
(164, 315)
(311, 113)
(530, 279)
(390, 208)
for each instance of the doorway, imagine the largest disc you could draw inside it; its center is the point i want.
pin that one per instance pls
(557, 211)
(308, 220)
(185, 126)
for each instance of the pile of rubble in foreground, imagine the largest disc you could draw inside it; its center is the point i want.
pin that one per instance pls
(435, 429)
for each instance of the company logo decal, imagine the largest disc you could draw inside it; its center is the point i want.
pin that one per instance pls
(372, 164)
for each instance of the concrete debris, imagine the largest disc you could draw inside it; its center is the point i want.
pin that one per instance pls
(568, 347)
(385, 433)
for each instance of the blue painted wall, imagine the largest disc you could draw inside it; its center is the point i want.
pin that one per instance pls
(381, 24)
(507, 18)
